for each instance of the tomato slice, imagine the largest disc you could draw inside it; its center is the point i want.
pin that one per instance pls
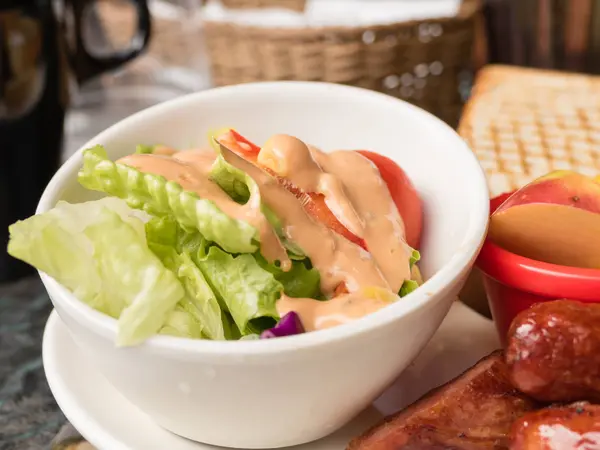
(239, 144)
(318, 209)
(340, 289)
(403, 193)
(313, 202)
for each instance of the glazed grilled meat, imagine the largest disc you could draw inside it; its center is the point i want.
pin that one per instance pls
(472, 412)
(553, 351)
(553, 355)
(573, 427)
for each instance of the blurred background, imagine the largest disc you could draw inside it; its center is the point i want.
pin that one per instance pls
(427, 52)
(424, 51)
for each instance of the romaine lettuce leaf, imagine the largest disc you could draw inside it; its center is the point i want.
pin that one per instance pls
(299, 282)
(248, 291)
(232, 332)
(407, 287)
(145, 149)
(160, 197)
(200, 302)
(243, 288)
(414, 258)
(98, 251)
(410, 285)
(232, 180)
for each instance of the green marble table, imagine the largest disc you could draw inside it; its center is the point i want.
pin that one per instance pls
(29, 416)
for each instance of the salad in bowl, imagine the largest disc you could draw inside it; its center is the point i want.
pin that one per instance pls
(232, 241)
(196, 250)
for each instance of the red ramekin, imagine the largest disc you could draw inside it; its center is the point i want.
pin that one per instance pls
(514, 283)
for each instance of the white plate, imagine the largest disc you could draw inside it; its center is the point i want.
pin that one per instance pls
(109, 422)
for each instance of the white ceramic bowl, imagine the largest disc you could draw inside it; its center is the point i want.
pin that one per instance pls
(281, 392)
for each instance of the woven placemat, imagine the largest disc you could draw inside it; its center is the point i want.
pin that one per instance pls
(523, 123)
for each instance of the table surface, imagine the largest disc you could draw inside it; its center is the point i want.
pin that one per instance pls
(29, 416)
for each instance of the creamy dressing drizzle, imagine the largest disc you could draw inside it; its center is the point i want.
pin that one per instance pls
(318, 315)
(382, 227)
(337, 259)
(354, 191)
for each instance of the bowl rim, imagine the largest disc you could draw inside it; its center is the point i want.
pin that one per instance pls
(428, 293)
(529, 275)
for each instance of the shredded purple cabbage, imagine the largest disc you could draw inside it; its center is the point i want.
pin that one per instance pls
(289, 325)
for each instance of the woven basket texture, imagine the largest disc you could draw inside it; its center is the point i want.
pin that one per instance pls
(427, 63)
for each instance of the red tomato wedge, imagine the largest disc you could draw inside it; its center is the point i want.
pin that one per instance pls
(340, 289)
(404, 194)
(318, 209)
(313, 203)
(315, 206)
(239, 144)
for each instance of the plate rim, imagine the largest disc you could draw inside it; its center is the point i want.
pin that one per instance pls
(68, 403)
(93, 430)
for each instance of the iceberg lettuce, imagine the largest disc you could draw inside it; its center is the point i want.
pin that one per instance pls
(98, 251)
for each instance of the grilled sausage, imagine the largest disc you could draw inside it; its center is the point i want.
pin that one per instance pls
(472, 412)
(553, 351)
(573, 427)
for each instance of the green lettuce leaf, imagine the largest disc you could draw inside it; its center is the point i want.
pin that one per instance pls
(407, 287)
(181, 323)
(159, 197)
(410, 285)
(240, 187)
(232, 332)
(131, 271)
(145, 149)
(200, 302)
(232, 180)
(98, 251)
(54, 243)
(248, 291)
(414, 258)
(299, 282)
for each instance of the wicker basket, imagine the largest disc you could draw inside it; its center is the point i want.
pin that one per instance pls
(427, 63)
(294, 5)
